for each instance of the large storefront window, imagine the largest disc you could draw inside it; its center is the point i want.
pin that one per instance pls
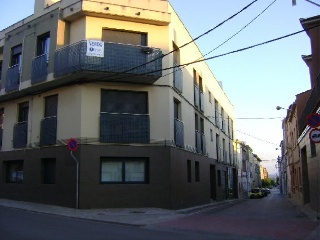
(124, 170)
(14, 171)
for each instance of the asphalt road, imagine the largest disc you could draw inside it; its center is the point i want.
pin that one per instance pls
(272, 217)
(269, 218)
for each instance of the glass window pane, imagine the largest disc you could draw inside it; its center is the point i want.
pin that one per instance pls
(111, 171)
(135, 171)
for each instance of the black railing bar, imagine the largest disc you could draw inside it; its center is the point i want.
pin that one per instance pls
(124, 44)
(136, 114)
(23, 122)
(48, 117)
(178, 120)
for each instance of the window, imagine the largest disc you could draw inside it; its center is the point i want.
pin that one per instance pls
(14, 171)
(176, 109)
(113, 101)
(1, 124)
(43, 45)
(197, 171)
(211, 135)
(48, 171)
(23, 112)
(116, 36)
(51, 106)
(16, 54)
(219, 178)
(0, 71)
(313, 149)
(124, 170)
(210, 100)
(189, 170)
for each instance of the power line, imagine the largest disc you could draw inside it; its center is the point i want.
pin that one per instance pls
(262, 140)
(193, 40)
(238, 50)
(261, 118)
(227, 40)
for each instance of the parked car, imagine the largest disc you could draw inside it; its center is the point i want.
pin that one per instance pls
(256, 193)
(265, 192)
(268, 190)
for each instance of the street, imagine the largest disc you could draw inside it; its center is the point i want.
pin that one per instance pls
(272, 217)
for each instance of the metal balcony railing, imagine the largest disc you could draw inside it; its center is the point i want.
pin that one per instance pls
(177, 78)
(39, 69)
(201, 101)
(124, 128)
(13, 78)
(225, 156)
(196, 96)
(48, 133)
(144, 63)
(200, 142)
(20, 135)
(178, 133)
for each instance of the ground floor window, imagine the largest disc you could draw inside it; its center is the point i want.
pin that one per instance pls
(124, 170)
(14, 171)
(48, 170)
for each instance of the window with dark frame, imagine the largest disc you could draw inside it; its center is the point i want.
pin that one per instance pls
(313, 149)
(189, 170)
(43, 44)
(124, 170)
(23, 112)
(48, 170)
(197, 171)
(16, 55)
(125, 37)
(51, 106)
(14, 171)
(0, 71)
(219, 178)
(1, 124)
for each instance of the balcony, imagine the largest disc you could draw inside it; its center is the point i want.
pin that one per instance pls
(20, 135)
(200, 143)
(124, 128)
(48, 133)
(178, 133)
(120, 63)
(177, 79)
(39, 69)
(13, 78)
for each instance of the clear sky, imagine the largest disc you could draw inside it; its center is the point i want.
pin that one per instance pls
(256, 80)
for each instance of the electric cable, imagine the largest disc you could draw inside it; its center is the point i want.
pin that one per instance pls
(238, 50)
(193, 40)
(257, 138)
(227, 40)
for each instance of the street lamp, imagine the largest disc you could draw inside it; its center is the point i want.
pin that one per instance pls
(279, 108)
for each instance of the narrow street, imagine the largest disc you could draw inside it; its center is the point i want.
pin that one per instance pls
(272, 217)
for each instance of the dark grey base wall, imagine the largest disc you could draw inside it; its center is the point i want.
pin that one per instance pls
(170, 184)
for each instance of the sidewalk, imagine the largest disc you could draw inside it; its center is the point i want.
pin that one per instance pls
(124, 216)
(312, 215)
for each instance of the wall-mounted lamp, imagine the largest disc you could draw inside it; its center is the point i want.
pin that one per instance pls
(138, 13)
(106, 8)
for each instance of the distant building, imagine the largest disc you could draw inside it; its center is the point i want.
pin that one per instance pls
(150, 133)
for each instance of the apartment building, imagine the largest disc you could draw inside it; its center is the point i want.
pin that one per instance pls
(109, 74)
(300, 160)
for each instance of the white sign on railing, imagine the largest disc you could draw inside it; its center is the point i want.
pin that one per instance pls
(95, 48)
